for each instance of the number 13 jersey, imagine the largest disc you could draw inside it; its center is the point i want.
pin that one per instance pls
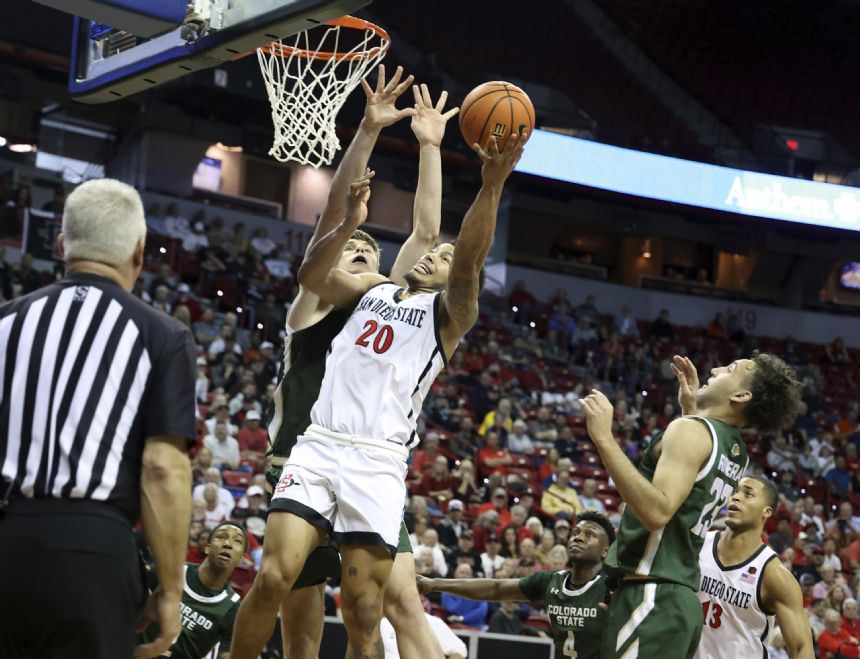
(672, 553)
(380, 367)
(736, 624)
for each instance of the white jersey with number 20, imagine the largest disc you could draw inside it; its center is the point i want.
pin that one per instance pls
(380, 367)
(735, 625)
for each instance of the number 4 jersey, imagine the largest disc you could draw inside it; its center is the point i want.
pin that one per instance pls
(736, 624)
(672, 553)
(381, 365)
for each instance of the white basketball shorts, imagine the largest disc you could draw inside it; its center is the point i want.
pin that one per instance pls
(352, 488)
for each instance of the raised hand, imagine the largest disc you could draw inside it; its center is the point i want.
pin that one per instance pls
(498, 165)
(598, 416)
(688, 383)
(428, 122)
(357, 198)
(380, 110)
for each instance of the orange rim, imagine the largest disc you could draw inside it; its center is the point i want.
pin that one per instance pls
(351, 22)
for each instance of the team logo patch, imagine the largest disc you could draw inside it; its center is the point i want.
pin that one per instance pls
(736, 450)
(287, 480)
(748, 577)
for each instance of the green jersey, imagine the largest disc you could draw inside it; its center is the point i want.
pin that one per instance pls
(576, 619)
(207, 619)
(305, 354)
(672, 553)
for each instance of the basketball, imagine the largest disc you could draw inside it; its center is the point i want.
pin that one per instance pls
(495, 108)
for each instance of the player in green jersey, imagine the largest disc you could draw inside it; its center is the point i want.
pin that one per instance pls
(311, 327)
(572, 598)
(685, 477)
(209, 605)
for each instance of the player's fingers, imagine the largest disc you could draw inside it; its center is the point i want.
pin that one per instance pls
(380, 79)
(450, 113)
(395, 80)
(481, 153)
(492, 146)
(406, 112)
(417, 94)
(368, 90)
(403, 86)
(443, 98)
(425, 92)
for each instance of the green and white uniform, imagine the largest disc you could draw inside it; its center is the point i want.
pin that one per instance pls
(576, 619)
(207, 619)
(662, 611)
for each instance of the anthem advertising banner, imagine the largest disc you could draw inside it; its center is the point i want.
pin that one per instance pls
(679, 181)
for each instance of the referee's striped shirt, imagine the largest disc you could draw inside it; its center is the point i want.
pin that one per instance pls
(87, 373)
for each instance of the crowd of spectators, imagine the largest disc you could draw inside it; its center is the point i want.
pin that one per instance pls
(505, 465)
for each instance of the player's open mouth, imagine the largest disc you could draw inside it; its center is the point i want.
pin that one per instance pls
(226, 555)
(734, 509)
(360, 259)
(422, 267)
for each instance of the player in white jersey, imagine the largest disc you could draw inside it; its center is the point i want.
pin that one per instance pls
(744, 586)
(311, 325)
(345, 476)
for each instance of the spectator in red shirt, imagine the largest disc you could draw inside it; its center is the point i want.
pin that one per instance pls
(423, 458)
(253, 440)
(437, 484)
(835, 640)
(493, 458)
(498, 503)
(850, 621)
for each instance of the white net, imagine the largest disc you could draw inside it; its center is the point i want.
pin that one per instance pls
(307, 86)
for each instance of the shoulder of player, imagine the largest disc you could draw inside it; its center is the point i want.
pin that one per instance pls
(687, 434)
(778, 584)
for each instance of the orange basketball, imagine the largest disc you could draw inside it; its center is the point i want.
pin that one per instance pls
(495, 108)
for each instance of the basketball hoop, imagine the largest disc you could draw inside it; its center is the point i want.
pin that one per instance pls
(308, 84)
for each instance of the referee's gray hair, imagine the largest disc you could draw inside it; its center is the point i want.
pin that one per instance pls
(103, 221)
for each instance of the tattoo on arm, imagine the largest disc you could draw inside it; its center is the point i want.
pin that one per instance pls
(462, 301)
(352, 571)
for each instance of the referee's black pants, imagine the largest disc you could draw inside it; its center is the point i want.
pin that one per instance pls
(71, 585)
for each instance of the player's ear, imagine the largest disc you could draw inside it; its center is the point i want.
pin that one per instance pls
(742, 396)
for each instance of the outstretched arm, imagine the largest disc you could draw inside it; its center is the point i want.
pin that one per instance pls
(428, 124)
(685, 446)
(379, 112)
(485, 590)
(318, 273)
(459, 307)
(781, 594)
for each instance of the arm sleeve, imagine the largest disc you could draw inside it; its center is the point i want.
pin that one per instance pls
(170, 407)
(534, 586)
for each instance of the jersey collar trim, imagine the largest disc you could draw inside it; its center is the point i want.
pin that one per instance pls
(578, 591)
(737, 566)
(201, 598)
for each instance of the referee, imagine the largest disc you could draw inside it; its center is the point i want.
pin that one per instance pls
(96, 413)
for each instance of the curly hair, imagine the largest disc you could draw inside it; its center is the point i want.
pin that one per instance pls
(600, 520)
(775, 393)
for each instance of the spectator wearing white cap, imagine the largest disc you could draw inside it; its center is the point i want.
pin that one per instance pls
(252, 510)
(451, 526)
(225, 449)
(253, 440)
(184, 297)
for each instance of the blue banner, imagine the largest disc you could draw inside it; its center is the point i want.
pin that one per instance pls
(691, 183)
